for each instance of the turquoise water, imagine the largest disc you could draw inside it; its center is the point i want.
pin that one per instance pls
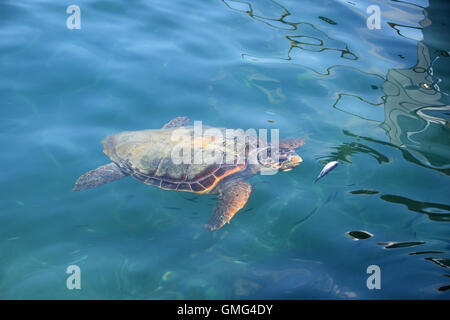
(374, 100)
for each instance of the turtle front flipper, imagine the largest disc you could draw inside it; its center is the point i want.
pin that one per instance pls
(99, 176)
(233, 195)
(177, 122)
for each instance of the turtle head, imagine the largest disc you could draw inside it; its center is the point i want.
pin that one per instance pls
(288, 159)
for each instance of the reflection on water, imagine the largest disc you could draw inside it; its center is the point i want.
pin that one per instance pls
(444, 288)
(407, 31)
(271, 6)
(361, 97)
(359, 235)
(364, 191)
(348, 149)
(416, 113)
(442, 262)
(416, 110)
(405, 152)
(396, 245)
(425, 252)
(434, 211)
(415, 120)
(307, 37)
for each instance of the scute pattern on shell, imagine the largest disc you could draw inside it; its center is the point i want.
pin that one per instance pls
(147, 156)
(203, 184)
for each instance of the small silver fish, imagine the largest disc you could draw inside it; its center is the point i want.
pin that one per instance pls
(328, 167)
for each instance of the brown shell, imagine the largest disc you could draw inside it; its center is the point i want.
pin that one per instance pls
(146, 156)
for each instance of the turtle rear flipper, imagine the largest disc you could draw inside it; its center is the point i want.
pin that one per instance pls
(233, 195)
(99, 176)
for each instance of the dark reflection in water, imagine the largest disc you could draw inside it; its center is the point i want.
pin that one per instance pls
(442, 262)
(327, 20)
(398, 28)
(416, 115)
(315, 44)
(364, 191)
(417, 123)
(417, 112)
(396, 245)
(434, 211)
(361, 116)
(444, 288)
(247, 8)
(425, 252)
(416, 109)
(310, 38)
(347, 149)
(358, 235)
(405, 153)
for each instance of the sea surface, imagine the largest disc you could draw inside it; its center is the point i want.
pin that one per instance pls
(375, 100)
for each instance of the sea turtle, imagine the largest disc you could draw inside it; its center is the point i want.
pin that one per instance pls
(147, 156)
